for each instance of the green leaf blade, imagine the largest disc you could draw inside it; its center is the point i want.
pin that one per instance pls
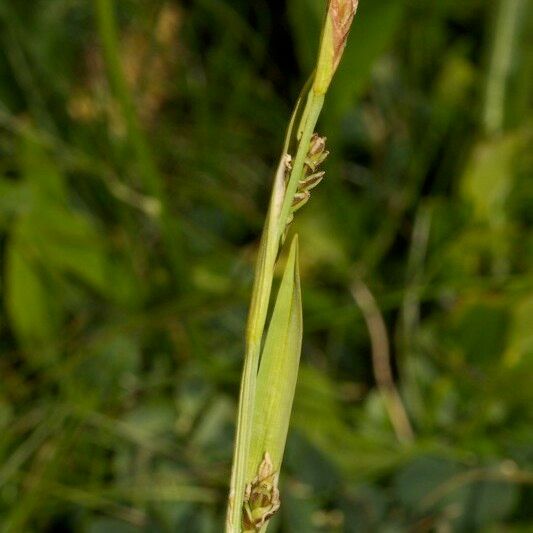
(278, 371)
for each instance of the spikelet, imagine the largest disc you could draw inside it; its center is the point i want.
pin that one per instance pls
(316, 155)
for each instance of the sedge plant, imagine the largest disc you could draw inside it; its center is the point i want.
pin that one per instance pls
(271, 359)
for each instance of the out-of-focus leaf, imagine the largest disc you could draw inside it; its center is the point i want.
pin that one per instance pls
(520, 342)
(454, 81)
(64, 238)
(108, 372)
(33, 311)
(316, 400)
(317, 234)
(152, 419)
(213, 431)
(48, 240)
(480, 332)
(488, 502)
(6, 413)
(110, 525)
(489, 176)
(192, 395)
(68, 242)
(420, 478)
(299, 509)
(175, 515)
(317, 415)
(41, 172)
(14, 197)
(363, 509)
(310, 465)
(278, 371)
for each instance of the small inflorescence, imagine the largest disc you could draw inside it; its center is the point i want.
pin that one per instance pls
(261, 497)
(312, 176)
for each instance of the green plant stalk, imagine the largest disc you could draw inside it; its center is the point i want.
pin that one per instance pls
(264, 275)
(336, 25)
(312, 110)
(280, 203)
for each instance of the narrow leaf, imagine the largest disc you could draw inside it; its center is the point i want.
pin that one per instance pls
(276, 380)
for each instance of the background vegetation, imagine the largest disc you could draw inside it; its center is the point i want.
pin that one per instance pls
(130, 211)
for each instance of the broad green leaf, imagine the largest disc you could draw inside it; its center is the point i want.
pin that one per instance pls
(278, 371)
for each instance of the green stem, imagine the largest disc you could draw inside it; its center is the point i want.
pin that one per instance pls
(306, 128)
(254, 332)
(279, 211)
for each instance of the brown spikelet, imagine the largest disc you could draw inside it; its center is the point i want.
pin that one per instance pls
(342, 13)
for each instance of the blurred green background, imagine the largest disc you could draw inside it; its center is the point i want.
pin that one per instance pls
(137, 143)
